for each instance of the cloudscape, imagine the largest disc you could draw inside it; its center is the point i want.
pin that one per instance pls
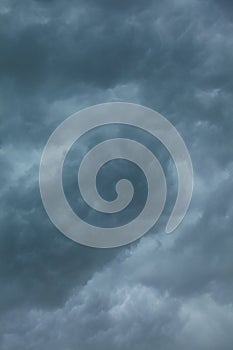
(162, 291)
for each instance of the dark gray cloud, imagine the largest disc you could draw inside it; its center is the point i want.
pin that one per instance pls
(165, 292)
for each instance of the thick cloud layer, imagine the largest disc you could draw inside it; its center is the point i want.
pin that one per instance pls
(163, 292)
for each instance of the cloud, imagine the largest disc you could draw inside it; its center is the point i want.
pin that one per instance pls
(166, 292)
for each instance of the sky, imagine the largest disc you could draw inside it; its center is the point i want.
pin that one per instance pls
(163, 291)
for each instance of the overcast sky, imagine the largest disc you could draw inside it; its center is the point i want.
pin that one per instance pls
(165, 292)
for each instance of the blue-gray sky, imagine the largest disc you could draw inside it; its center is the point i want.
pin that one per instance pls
(162, 292)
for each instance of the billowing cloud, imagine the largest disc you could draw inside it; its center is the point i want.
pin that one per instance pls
(165, 292)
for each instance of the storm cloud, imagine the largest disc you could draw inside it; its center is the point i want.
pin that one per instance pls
(163, 291)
